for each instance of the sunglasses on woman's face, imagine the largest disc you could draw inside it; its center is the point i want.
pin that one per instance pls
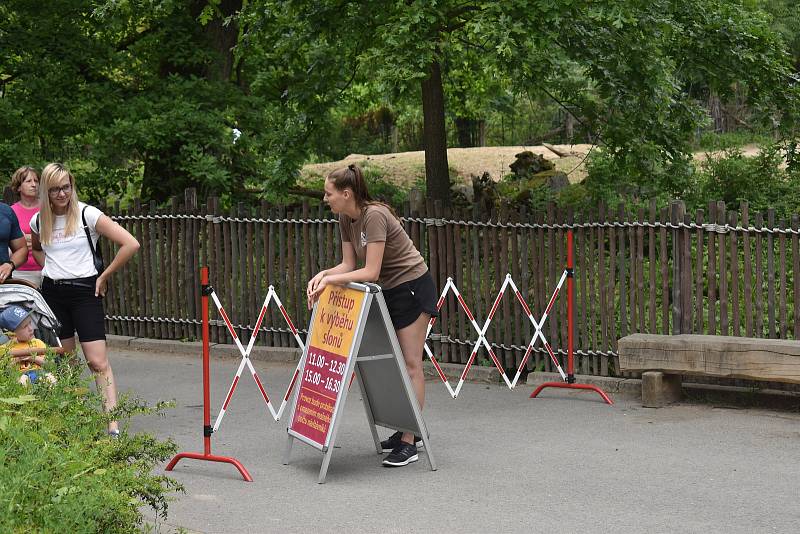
(54, 191)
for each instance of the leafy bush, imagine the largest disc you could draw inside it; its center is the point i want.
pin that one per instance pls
(728, 140)
(636, 176)
(761, 180)
(60, 472)
(379, 188)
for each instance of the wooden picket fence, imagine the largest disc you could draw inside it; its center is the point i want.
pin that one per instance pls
(657, 270)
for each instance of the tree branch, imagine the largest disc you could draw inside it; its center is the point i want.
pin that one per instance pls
(132, 39)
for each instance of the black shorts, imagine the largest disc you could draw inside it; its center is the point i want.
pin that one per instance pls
(408, 300)
(76, 307)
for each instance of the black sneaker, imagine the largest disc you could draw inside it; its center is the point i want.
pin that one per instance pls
(404, 454)
(394, 441)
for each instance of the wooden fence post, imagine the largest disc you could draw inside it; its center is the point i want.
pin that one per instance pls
(678, 210)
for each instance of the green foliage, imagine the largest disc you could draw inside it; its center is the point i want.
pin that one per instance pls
(634, 74)
(379, 187)
(625, 177)
(761, 180)
(145, 94)
(728, 140)
(60, 472)
(786, 21)
(341, 135)
(149, 92)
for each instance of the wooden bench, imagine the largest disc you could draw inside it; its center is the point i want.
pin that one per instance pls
(663, 359)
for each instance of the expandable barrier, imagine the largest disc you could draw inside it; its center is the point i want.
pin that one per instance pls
(207, 430)
(276, 415)
(508, 281)
(568, 377)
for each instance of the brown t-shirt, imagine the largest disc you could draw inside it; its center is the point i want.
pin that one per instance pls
(401, 260)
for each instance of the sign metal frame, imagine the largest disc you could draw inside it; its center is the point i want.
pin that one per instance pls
(380, 367)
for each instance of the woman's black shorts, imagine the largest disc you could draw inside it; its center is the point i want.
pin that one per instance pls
(408, 300)
(77, 309)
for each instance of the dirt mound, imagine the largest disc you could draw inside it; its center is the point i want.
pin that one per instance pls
(408, 167)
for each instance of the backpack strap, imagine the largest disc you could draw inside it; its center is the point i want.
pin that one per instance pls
(88, 235)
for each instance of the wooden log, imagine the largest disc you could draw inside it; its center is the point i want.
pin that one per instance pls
(514, 262)
(660, 389)
(556, 151)
(584, 324)
(663, 258)
(758, 292)
(555, 270)
(601, 288)
(524, 281)
(611, 311)
(280, 276)
(686, 276)
(462, 251)
(539, 302)
(651, 257)
(451, 271)
(774, 360)
(676, 217)
(623, 286)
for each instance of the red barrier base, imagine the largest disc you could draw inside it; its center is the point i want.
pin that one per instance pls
(566, 385)
(210, 458)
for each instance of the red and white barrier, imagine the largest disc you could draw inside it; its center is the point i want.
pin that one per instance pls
(276, 415)
(206, 455)
(538, 333)
(537, 327)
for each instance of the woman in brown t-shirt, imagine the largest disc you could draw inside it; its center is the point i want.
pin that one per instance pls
(372, 236)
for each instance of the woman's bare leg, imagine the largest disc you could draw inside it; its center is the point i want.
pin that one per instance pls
(412, 340)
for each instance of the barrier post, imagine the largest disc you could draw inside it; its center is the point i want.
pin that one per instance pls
(207, 428)
(570, 381)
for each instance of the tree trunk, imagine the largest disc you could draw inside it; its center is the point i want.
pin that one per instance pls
(162, 176)
(569, 127)
(437, 177)
(714, 109)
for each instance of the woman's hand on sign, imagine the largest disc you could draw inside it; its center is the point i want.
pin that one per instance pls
(315, 287)
(312, 284)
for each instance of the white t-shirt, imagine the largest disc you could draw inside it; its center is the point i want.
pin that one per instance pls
(67, 257)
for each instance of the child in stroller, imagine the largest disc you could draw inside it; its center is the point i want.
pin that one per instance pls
(32, 327)
(23, 346)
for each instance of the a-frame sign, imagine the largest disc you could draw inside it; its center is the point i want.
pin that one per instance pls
(351, 332)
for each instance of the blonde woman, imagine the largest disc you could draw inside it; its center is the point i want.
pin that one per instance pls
(25, 184)
(71, 284)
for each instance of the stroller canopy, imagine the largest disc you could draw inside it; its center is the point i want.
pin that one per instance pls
(30, 298)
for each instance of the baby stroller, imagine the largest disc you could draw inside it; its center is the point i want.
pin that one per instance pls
(24, 294)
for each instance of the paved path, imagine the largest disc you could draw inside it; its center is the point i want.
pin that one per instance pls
(565, 462)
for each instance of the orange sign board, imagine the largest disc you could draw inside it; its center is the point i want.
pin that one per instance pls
(329, 346)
